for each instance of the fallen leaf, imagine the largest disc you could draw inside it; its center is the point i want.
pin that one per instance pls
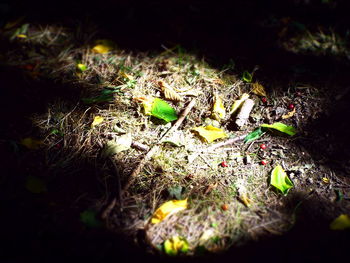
(169, 93)
(259, 89)
(210, 133)
(106, 95)
(57, 132)
(31, 143)
(117, 129)
(341, 222)
(210, 121)
(219, 111)
(175, 192)
(101, 49)
(122, 143)
(103, 46)
(175, 245)
(242, 193)
(256, 134)
(20, 31)
(289, 114)
(167, 209)
(97, 121)
(81, 67)
(210, 188)
(247, 77)
(158, 108)
(207, 234)
(21, 36)
(238, 103)
(177, 138)
(290, 130)
(126, 76)
(35, 185)
(325, 180)
(88, 218)
(243, 197)
(280, 180)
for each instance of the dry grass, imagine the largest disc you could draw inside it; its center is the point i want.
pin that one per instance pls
(204, 182)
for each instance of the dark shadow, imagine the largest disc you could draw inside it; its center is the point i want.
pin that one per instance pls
(37, 228)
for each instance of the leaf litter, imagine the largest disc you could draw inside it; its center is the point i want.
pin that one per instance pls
(112, 79)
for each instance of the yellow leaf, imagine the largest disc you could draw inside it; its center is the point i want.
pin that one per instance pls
(238, 103)
(167, 209)
(147, 103)
(169, 92)
(245, 199)
(210, 133)
(31, 143)
(81, 67)
(126, 76)
(341, 222)
(101, 49)
(97, 120)
(174, 245)
(259, 89)
(21, 36)
(289, 114)
(325, 180)
(218, 109)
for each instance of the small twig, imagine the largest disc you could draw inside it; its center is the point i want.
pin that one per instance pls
(220, 144)
(225, 143)
(140, 146)
(156, 147)
(108, 209)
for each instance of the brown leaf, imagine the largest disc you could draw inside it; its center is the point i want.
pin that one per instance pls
(169, 92)
(210, 188)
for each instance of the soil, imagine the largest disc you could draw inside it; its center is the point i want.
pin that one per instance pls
(46, 227)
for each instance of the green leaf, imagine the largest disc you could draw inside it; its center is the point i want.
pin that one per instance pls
(175, 192)
(35, 185)
(106, 95)
(162, 110)
(280, 180)
(247, 77)
(56, 132)
(256, 134)
(88, 218)
(22, 30)
(290, 130)
(340, 195)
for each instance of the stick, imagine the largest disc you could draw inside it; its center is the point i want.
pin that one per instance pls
(225, 143)
(140, 146)
(156, 147)
(108, 209)
(244, 113)
(220, 144)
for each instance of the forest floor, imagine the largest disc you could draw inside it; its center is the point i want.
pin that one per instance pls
(89, 160)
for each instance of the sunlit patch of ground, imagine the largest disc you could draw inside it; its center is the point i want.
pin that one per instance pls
(110, 86)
